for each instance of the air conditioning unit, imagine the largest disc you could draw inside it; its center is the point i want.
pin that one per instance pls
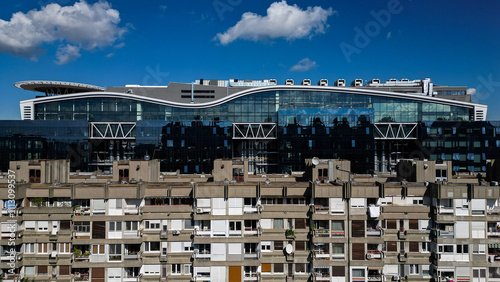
(368, 256)
(199, 210)
(396, 278)
(176, 232)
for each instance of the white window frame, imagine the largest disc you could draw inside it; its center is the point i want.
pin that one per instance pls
(154, 224)
(64, 248)
(176, 269)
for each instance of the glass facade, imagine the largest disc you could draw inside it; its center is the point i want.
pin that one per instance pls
(308, 124)
(285, 107)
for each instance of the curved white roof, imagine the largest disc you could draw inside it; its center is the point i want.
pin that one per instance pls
(44, 85)
(256, 90)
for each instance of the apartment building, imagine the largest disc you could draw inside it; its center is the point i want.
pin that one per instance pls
(323, 224)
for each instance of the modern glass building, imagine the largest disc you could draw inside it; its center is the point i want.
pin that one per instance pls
(275, 127)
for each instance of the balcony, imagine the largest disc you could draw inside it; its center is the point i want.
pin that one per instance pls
(321, 254)
(132, 255)
(82, 211)
(81, 276)
(250, 209)
(202, 254)
(322, 232)
(374, 232)
(250, 276)
(445, 210)
(446, 233)
(131, 210)
(493, 211)
(493, 232)
(373, 254)
(251, 255)
(318, 209)
(321, 275)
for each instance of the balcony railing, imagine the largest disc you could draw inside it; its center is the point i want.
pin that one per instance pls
(374, 232)
(131, 210)
(446, 234)
(82, 211)
(321, 209)
(81, 276)
(321, 232)
(445, 210)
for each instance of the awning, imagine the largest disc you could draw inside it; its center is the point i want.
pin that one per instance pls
(493, 245)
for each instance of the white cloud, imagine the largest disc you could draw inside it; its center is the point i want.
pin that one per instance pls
(304, 65)
(66, 54)
(80, 26)
(282, 20)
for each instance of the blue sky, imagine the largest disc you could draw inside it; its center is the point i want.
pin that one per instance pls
(454, 43)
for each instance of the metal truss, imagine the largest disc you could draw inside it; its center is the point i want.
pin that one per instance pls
(396, 130)
(252, 130)
(112, 130)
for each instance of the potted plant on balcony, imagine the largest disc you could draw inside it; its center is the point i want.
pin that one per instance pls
(290, 233)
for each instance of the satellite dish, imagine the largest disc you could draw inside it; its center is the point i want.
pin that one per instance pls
(315, 161)
(289, 249)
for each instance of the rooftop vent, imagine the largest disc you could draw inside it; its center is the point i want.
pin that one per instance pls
(323, 82)
(306, 82)
(289, 82)
(340, 82)
(357, 82)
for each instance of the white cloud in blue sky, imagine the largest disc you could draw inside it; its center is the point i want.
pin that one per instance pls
(66, 54)
(78, 26)
(282, 21)
(304, 65)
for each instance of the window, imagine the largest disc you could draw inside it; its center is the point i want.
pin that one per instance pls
(235, 226)
(188, 224)
(187, 269)
(115, 226)
(278, 223)
(43, 248)
(414, 269)
(131, 225)
(29, 270)
(115, 252)
(462, 249)
(265, 246)
(300, 268)
(188, 247)
(478, 248)
(152, 225)
(98, 249)
(445, 249)
(64, 248)
(43, 270)
(29, 225)
(414, 247)
(43, 226)
(29, 248)
(426, 247)
(176, 268)
(151, 246)
(278, 245)
(278, 268)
